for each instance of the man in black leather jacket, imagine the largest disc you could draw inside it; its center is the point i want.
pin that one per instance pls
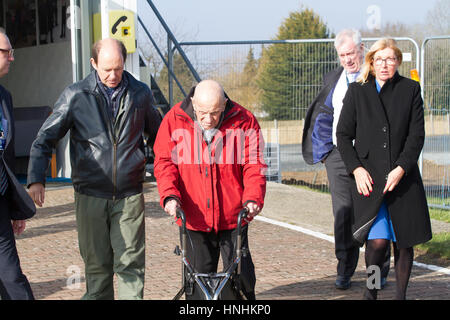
(107, 113)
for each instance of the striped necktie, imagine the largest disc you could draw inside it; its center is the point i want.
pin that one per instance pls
(3, 173)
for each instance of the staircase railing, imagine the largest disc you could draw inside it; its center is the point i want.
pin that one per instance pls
(168, 62)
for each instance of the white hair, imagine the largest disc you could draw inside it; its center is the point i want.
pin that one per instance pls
(353, 34)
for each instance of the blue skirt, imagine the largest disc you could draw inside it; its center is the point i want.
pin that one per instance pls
(382, 227)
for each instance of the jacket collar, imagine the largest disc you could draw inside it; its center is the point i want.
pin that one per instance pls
(390, 82)
(90, 83)
(6, 107)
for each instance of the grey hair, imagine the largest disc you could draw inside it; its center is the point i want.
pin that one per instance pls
(353, 34)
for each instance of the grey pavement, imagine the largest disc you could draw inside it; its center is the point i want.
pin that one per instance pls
(290, 265)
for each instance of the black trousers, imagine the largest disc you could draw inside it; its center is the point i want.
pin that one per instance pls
(204, 249)
(346, 249)
(13, 283)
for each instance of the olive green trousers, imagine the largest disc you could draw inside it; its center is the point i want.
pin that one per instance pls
(111, 237)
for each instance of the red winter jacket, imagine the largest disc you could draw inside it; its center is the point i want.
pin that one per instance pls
(212, 182)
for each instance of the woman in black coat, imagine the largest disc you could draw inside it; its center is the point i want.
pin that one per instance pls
(383, 114)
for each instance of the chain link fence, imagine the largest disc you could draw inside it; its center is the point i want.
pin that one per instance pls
(435, 79)
(277, 80)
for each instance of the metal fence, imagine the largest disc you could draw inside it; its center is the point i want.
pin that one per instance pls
(435, 79)
(235, 64)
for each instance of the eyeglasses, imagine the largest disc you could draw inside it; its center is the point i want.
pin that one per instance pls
(212, 114)
(389, 61)
(9, 51)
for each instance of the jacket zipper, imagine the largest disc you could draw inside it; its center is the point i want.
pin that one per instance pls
(125, 116)
(209, 147)
(115, 171)
(101, 100)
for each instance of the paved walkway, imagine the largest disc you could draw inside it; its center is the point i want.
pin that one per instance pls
(289, 264)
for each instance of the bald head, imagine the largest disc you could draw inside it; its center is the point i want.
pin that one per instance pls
(208, 92)
(108, 59)
(108, 44)
(209, 103)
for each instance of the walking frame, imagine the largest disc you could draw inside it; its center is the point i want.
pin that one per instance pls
(212, 284)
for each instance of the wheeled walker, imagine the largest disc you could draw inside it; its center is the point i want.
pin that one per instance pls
(214, 286)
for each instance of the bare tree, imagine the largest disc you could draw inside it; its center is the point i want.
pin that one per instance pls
(438, 18)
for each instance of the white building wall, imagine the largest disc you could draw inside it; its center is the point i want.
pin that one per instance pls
(39, 74)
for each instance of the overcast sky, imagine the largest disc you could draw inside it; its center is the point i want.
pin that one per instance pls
(206, 20)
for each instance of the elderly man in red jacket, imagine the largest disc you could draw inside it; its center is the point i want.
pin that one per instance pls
(209, 161)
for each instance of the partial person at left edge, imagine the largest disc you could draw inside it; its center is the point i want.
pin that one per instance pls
(15, 204)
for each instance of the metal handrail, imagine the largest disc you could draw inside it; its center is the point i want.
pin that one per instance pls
(161, 55)
(175, 42)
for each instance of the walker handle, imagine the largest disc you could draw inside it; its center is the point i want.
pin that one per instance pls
(181, 215)
(242, 215)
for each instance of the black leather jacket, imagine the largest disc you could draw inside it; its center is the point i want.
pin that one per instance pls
(107, 158)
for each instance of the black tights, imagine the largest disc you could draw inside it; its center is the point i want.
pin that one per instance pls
(403, 260)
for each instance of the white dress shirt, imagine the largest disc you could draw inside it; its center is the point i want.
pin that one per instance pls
(338, 95)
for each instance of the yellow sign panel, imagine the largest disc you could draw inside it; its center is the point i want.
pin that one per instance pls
(121, 27)
(97, 26)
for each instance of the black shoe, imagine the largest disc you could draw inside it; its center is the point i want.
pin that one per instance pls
(343, 283)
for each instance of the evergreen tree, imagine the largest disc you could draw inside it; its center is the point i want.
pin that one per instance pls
(239, 79)
(247, 92)
(291, 74)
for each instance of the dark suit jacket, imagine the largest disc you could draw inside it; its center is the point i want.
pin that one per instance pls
(21, 206)
(388, 129)
(317, 140)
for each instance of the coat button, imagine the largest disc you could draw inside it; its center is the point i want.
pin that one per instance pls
(384, 129)
(208, 229)
(385, 145)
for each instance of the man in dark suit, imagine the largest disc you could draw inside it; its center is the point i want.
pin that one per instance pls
(319, 145)
(15, 204)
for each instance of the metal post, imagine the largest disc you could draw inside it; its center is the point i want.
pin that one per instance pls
(161, 56)
(104, 9)
(278, 155)
(422, 88)
(38, 31)
(75, 33)
(448, 121)
(170, 69)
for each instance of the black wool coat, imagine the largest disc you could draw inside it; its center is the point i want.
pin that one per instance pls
(388, 131)
(321, 109)
(20, 205)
